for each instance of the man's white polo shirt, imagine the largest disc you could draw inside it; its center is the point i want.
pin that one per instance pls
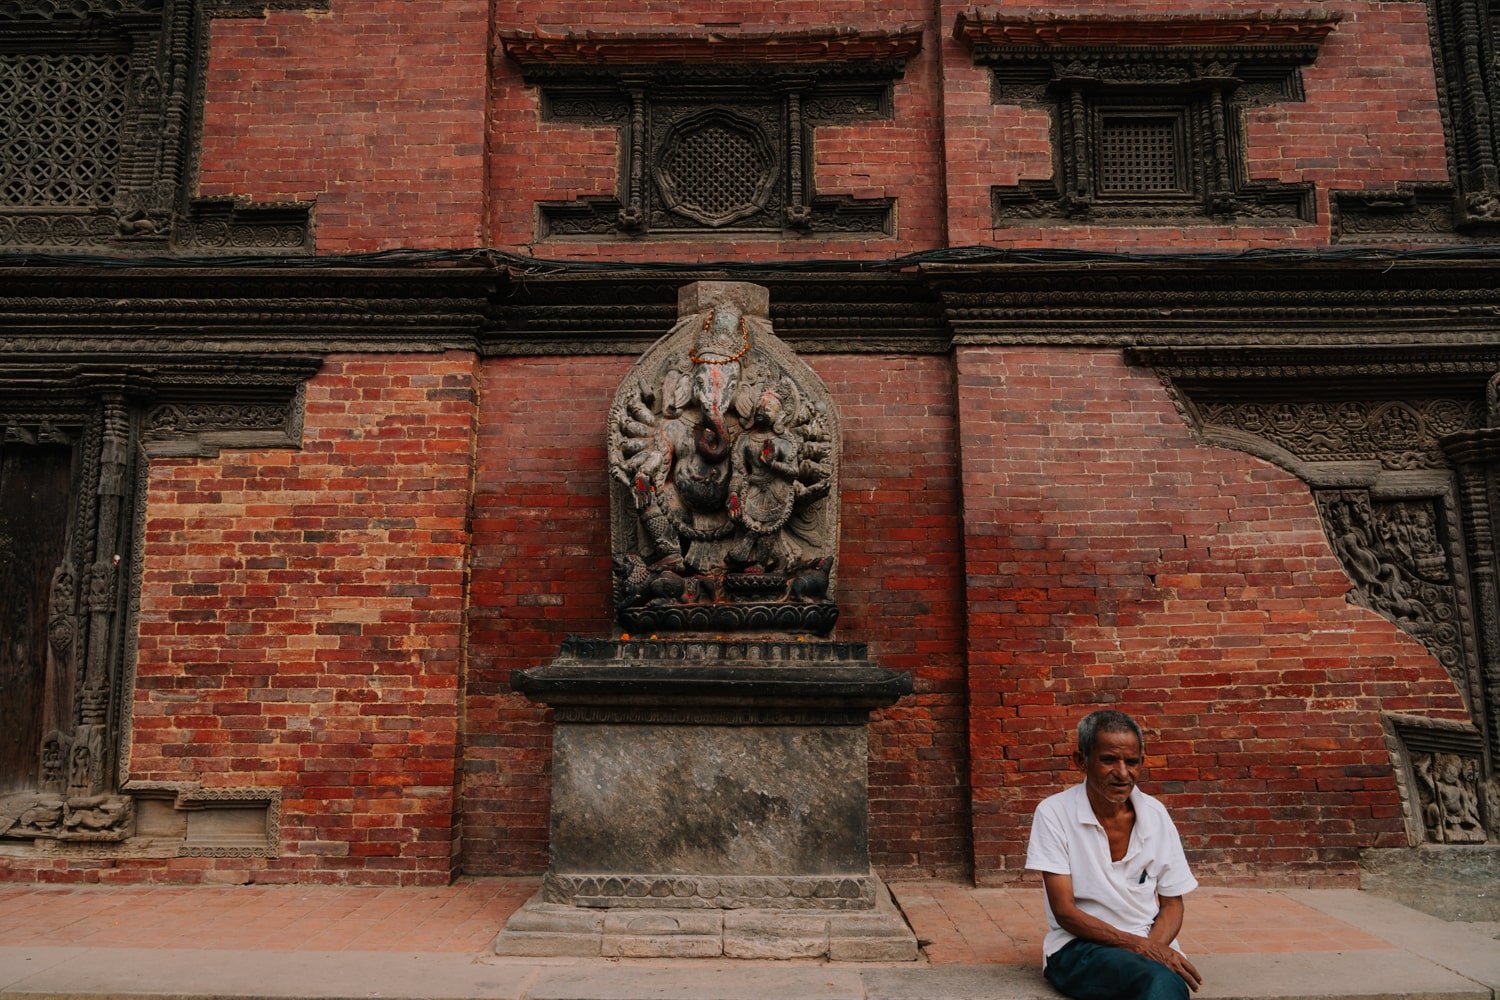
(1066, 839)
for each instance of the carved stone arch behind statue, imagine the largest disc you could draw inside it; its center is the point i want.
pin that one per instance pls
(114, 419)
(1407, 521)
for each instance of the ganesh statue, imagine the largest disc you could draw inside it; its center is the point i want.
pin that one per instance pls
(723, 458)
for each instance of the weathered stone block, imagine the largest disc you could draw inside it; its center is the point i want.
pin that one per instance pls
(547, 945)
(663, 946)
(685, 923)
(700, 296)
(708, 800)
(873, 949)
(772, 934)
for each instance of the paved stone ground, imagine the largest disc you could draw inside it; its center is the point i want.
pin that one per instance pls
(338, 943)
(956, 924)
(961, 925)
(1459, 884)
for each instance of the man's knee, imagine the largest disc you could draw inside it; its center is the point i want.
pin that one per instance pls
(1158, 982)
(1087, 970)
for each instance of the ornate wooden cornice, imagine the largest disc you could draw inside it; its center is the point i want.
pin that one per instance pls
(1281, 301)
(997, 36)
(212, 310)
(627, 311)
(531, 48)
(1418, 310)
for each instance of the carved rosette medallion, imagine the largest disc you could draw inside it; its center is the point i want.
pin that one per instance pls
(723, 456)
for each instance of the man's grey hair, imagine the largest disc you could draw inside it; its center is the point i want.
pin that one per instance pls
(1106, 720)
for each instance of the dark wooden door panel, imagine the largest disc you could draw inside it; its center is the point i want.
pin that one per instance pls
(34, 509)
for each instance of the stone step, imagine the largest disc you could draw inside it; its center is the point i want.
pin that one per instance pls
(160, 974)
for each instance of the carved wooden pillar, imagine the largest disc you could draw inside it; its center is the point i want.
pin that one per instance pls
(87, 774)
(633, 215)
(1476, 457)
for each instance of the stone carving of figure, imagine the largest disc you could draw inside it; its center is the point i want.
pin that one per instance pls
(1457, 788)
(723, 451)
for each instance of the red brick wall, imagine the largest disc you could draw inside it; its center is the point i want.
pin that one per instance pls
(541, 570)
(374, 109)
(301, 625)
(1369, 121)
(1112, 560)
(382, 113)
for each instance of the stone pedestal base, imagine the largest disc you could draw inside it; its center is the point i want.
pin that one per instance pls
(542, 929)
(709, 798)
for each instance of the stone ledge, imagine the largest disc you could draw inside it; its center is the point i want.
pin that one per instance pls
(540, 929)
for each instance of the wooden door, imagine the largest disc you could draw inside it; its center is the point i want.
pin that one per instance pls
(35, 508)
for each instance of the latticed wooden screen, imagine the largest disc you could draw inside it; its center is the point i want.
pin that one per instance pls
(60, 121)
(1139, 156)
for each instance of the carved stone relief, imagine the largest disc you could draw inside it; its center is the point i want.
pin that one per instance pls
(724, 452)
(1448, 787)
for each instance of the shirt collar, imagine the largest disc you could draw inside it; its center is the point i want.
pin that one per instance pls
(1143, 816)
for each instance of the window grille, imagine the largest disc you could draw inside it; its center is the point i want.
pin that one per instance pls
(1139, 156)
(60, 119)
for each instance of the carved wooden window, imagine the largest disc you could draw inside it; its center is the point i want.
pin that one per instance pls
(99, 104)
(720, 139)
(1145, 129)
(63, 119)
(1141, 155)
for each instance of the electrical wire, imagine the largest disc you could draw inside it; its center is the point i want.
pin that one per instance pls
(524, 265)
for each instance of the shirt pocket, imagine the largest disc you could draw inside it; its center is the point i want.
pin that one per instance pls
(1142, 888)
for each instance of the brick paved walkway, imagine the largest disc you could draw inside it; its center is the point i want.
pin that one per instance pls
(462, 917)
(957, 924)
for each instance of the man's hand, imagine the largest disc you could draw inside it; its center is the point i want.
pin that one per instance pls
(1156, 947)
(1171, 958)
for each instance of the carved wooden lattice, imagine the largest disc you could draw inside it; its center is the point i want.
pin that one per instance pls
(100, 104)
(1147, 114)
(714, 144)
(60, 119)
(716, 168)
(1139, 155)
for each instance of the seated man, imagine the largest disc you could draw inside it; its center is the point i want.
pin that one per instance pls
(1115, 875)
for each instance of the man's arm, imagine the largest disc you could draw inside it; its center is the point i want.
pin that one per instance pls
(1168, 922)
(1156, 946)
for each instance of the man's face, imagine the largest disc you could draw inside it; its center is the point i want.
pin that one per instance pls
(1112, 768)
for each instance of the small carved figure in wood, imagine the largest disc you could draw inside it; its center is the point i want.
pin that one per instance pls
(1379, 582)
(723, 450)
(1447, 786)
